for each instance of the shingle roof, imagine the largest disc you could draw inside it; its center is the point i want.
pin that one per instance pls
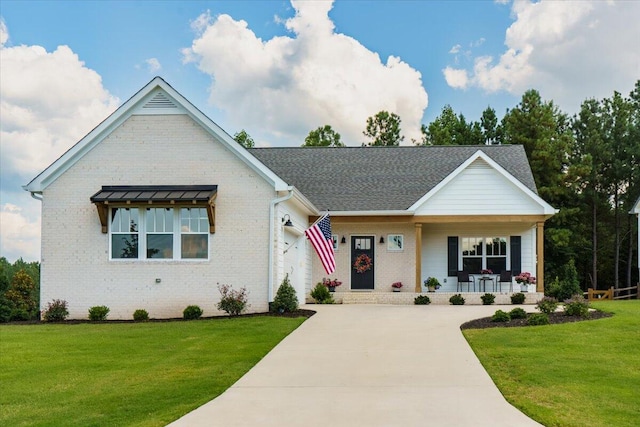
(380, 178)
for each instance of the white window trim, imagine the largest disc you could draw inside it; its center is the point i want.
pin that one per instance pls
(389, 241)
(461, 257)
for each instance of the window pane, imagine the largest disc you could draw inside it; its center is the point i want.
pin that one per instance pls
(133, 220)
(195, 245)
(168, 220)
(151, 220)
(115, 220)
(204, 224)
(124, 246)
(472, 265)
(497, 264)
(159, 246)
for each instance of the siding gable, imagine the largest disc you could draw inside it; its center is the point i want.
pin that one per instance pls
(479, 189)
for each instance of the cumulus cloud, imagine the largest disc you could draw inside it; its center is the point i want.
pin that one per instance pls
(49, 101)
(456, 78)
(289, 85)
(20, 234)
(568, 50)
(455, 49)
(153, 65)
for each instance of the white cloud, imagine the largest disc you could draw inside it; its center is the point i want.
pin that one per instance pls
(20, 235)
(4, 33)
(49, 101)
(153, 65)
(456, 78)
(569, 51)
(289, 85)
(455, 49)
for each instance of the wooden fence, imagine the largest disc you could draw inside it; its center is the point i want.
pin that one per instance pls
(613, 293)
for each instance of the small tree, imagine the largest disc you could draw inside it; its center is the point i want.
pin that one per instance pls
(21, 295)
(324, 136)
(286, 299)
(384, 129)
(244, 139)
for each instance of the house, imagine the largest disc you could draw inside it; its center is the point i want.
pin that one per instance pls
(158, 205)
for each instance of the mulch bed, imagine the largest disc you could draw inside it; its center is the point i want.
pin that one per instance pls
(554, 318)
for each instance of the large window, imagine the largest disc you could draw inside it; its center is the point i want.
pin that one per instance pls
(159, 233)
(480, 253)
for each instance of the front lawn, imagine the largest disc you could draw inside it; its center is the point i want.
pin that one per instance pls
(126, 374)
(578, 374)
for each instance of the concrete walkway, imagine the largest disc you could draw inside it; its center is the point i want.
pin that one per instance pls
(368, 365)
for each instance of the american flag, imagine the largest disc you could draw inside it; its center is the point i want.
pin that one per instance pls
(320, 236)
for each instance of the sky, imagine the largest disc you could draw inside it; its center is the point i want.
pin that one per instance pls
(279, 69)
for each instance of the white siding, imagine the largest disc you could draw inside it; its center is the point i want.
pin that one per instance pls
(154, 150)
(434, 246)
(479, 190)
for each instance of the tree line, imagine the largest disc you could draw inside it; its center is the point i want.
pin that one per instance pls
(586, 165)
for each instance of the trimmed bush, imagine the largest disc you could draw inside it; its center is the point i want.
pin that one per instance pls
(285, 299)
(565, 286)
(518, 313)
(56, 311)
(547, 305)
(518, 298)
(6, 307)
(500, 316)
(321, 294)
(488, 299)
(98, 313)
(192, 312)
(421, 300)
(231, 301)
(456, 299)
(141, 315)
(537, 319)
(577, 306)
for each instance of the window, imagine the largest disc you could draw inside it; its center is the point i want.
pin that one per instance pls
(395, 242)
(159, 233)
(480, 253)
(334, 239)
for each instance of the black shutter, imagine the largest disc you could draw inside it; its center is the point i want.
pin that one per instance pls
(516, 255)
(452, 256)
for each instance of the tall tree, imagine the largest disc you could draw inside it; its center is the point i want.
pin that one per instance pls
(491, 131)
(451, 129)
(244, 139)
(324, 136)
(384, 129)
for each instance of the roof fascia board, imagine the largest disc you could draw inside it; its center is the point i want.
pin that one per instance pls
(372, 213)
(547, 208)
(122, 113)
(636, 208)
(304, 202)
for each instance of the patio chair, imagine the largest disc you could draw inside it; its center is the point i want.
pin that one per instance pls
(464, 277)
(505, 277)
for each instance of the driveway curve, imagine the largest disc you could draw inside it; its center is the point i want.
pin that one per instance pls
(369, 365)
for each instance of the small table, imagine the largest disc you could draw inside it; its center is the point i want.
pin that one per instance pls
(482, 283)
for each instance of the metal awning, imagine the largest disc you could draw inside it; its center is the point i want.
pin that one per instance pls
(139, 195)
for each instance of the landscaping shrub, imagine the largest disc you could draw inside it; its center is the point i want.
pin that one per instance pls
(285, 299)
(518, 313)
(321, 294)
(518, 298)
(56, 311)
(547, 305)
(20, 314)
(21, 294)
(456, 299)
(577, 306)
(538, 319)
(500, 316)
(141, 315)
(99, 312)
(192, 312)
(421, 300)
(231, 301)
(488, 299)
(566, 285)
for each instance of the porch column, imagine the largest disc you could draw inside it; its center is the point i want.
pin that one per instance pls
(540, 256)
(418, 257)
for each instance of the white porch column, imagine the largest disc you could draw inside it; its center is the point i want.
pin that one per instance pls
(418, 288)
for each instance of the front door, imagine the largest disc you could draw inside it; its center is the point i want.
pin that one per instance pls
(362, 265)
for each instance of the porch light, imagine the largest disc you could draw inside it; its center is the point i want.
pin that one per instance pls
(287, 220)
(343, 240)
(381, 239)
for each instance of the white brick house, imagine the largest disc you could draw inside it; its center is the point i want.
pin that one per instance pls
(157, 205)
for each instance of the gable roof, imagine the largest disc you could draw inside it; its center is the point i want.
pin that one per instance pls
(156, 97)
(351, 179)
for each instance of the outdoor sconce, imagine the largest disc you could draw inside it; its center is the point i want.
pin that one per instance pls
(344, 240)
(287, 220)
(381, 239)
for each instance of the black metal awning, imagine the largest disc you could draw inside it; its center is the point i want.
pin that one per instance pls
(138, 195)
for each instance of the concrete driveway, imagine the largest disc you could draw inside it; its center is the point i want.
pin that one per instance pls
(368, 365)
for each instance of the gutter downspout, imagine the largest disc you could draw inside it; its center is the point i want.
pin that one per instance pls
(36, 196)
(272, 208)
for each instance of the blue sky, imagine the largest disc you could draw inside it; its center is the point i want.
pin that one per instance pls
(282, 68)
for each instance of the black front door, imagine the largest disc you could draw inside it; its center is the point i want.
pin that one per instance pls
(362, 258)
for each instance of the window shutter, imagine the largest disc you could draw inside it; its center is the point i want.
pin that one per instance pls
(452, 256)
(516, 255)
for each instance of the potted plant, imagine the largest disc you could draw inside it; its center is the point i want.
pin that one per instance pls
(486, 272)
(432, 284)
(331, 284)
(396, 286)
(525, 279)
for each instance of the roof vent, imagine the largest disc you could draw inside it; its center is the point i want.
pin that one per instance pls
(159, 100)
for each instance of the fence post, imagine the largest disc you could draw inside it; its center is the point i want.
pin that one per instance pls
(611, 293)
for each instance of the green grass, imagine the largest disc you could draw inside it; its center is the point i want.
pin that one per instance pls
(582, 374)
(126, 374)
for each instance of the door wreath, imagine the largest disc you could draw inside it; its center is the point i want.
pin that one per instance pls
(363, 263)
